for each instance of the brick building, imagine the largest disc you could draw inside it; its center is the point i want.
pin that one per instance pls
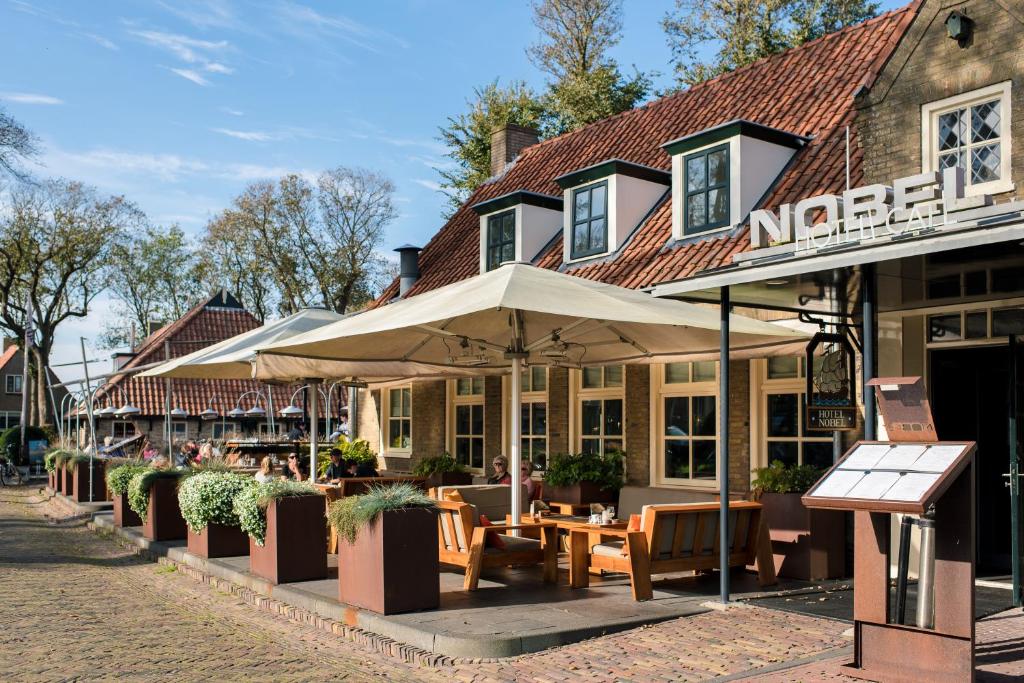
(12, 364)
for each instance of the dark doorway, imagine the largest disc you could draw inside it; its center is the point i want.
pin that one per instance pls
(970, 401)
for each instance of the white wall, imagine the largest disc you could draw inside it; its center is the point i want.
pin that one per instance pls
(629, 200)
(535, 227)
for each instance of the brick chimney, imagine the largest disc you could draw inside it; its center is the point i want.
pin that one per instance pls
(506, 144)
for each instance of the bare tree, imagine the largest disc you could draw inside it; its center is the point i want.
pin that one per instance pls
(230, 259)
(576, 35)
(17, 143)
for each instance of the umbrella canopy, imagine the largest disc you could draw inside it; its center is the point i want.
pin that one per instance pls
(232, 358)
(504, 318)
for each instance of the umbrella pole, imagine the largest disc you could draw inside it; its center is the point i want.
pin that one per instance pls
(515, 429)
(314, 436)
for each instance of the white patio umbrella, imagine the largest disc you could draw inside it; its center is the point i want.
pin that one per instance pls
(513, 316)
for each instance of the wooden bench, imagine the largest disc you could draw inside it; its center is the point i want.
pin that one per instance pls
(674, 538)
(463, 544)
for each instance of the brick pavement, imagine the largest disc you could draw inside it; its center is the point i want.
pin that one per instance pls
(78, 606)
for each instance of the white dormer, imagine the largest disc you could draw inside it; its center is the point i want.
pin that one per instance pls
(604, 203)
(719, 174)
(516, 227)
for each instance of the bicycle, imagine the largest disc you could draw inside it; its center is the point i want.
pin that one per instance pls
(9, 474)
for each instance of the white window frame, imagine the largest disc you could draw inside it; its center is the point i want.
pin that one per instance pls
(679, 189)
(389, 450)
(661, 390)
(531, 396)
(179, 430)
(16, 381)
(124, 424)
(930, 113)
(763, 386)
(225, 427)
(603, 393)
(7, 415)
(472, 399)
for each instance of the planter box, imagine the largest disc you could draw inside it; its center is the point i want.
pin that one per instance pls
(295, 548)
(580, 493)
(51, 480)
(67, 477)
(393, 565)
(217, 540)
(80, 492)
(163, 518)
(123, 514)
(449, 479)
(807, 544)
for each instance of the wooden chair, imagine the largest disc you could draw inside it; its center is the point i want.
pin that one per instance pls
(462, 542)
(675, 538)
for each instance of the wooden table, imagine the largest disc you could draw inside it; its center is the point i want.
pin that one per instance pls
(570, 523)
(573, 508)
(582, 537)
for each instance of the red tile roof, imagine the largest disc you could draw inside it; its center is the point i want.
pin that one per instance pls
(7, 355)
(808, 91)
(205, 324)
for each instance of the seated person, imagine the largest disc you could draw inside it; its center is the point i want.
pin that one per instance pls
(532, 490)
(366, 469)
(501, 475)
(266, 472)
(296, 469)
(337, 469)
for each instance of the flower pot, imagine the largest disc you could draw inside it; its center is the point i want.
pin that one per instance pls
(67, 484)
(295, 546)
(163, 517)
(807, 544)
(580, 493)
(393, 565)
(449, 479)
(123, 514)
(218, 540)
(80, 491)
(51, 480)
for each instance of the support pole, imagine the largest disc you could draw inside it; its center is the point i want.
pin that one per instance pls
(26, 352)
(58, 420)
(869, 332)
(906, 526)
(926, 574)
(314, 436)
(167, 407)
(1015, 554)
(92, 422)
(723, 446)
(353, 413)
(515, 432)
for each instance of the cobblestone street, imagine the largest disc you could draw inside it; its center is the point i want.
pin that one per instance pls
(77, 606)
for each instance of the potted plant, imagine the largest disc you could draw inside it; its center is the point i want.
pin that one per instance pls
(387, 549)
(118, 479)
(287, 530)
(113, 463)
(807, 544)
(584, 477)
(85, 471)
(207, 500)
(152, 495)
(66, 473)
(52, 471)
(442, 470)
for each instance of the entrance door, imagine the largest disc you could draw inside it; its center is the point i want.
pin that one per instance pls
(969, 397)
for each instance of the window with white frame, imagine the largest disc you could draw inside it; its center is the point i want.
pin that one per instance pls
(784, 427)
(264, 429)
(9, 419)
(221, 430)
(534, 416)
(122, 429)
(687, 422)
(468, 422)
(501, 238)
(590, 220)
(179, 430)
(13, 384)
(972, 131)
(399, 422)
(600, 409)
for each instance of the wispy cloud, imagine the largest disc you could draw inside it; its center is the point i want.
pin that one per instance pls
(205, 14)
(29, 98)
(283, 133)
(101, 41)
(49, 15)
(249, 135)
(218, 68)
(429, 184)
(411, 142)
(232, 112)
(307, 22)
(431, 162)
(190, 75)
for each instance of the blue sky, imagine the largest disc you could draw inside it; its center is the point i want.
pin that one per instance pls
(178, 104)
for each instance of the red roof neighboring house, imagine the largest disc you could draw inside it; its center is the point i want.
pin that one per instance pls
(808, 91)
(8, 355)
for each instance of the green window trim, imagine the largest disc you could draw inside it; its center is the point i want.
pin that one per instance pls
(589, 229)
(501, 238)
(698, 207)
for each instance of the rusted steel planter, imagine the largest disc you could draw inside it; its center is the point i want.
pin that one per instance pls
(295, 546)
(449, 479)
(51, 480)
(807, 544)
(163, 517)
(580, 493)
(217, 540)
(80, 491)
(393, 565)
(67, 480)
(123, 514)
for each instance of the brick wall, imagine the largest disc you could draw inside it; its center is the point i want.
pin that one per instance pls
(558, 410)
(493, 443)
(368, 420)
(507, 143)
(928, 66)
(739, 426)
(638, 430)
(428, 423)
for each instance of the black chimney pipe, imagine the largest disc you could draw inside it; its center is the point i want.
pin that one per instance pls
(409, 267)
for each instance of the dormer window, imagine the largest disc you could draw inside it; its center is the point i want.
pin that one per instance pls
(516, 227)
(501, 238)
(590, 220)
(605, 203)
(719, 174)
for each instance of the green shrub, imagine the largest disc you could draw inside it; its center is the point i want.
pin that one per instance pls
(119, 477)
(781, 478)
(52, 457)
(10, 442)
(208, 497)
(139, 485)
(567, 469)
(438, 464)
(358, 450)
(352, 513)
(250, 505)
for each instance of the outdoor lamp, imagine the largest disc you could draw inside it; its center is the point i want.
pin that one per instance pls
(126, 411)
(255, 411)
(104, 412)
(179, 413)
(236, 412)
(209, 414)
(959, 26)
(291, 411)
(467, 358)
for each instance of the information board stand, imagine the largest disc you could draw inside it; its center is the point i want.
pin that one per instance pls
(929, 478)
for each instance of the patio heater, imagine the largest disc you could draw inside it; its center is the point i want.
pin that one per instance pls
(210, 414)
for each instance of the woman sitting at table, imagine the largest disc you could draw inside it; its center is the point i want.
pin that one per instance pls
(337, 469)
(532, 490)
(501, 475)
(295, 470)
(266, 472)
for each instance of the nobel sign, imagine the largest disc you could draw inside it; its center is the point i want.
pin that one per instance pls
(913, 204)
(831, 387)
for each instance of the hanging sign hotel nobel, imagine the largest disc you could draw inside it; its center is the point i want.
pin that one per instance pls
(831, 389)
(916, 204)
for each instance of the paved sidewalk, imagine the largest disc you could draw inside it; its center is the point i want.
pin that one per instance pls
(79, 606)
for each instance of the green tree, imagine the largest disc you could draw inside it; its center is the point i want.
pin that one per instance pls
(740, 32)
(468, 135)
